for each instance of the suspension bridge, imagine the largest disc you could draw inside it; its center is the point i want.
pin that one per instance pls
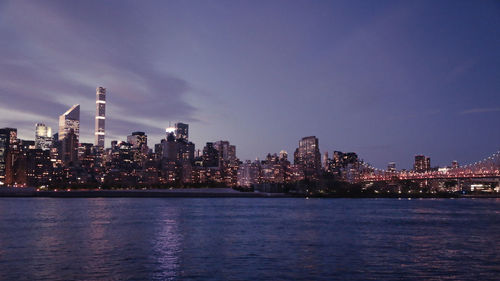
(489, 167)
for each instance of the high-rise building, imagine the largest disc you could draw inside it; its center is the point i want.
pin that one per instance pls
(43, 137)
(138, 140)
(180, 131)
(70, 120)
(210, 155)
(227, 152)
(391, 167)
(307, 155)
(169, 148)
(422, 163)
(8, 138)
(69, 149)
(325, 160)
(100, 117)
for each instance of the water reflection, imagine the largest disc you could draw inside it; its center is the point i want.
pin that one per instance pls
(166, 244)
(248, 239)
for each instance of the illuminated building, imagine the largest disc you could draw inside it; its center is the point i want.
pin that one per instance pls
(43, 137)
(100, 117)
(179, 130)
(138, 140)
(308, 156)
(169, 148)
(227, 152)
(38, 167)
(8, 139)
(248, 173)
(210, 155)
(70, 120)
(391, 167)
(422, 163)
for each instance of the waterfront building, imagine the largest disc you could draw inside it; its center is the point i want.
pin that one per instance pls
(8, 141)
(70, 120)
(227, 152)
(185, 151)
(210, 155)
(308, 156)
(100, 117)
(422, 163)
(325, 161)
(38, 167)
(248, 173)
(391, 167)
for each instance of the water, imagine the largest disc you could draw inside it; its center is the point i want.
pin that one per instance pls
(249, 239)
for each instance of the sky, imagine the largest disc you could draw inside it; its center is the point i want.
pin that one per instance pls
(385, 79)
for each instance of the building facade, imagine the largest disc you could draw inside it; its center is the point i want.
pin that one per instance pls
(43, 137)
(70, 120)
(308, 156)
(100, 117)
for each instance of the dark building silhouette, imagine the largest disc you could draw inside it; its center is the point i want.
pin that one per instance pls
(8, 137)
(210, 155)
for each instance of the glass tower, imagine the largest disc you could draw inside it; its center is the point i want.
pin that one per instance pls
(70, 120)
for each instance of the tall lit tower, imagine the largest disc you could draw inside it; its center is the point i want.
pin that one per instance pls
(100, 116)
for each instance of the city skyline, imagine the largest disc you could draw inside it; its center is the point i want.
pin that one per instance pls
(432, 92)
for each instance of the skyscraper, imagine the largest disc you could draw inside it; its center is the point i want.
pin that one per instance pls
(138, 140)
(227, 152)
(308, 157)
(70, 120)
(8, 138)
(180, 131)
(43, 137)
(100, 116)
(422, 163)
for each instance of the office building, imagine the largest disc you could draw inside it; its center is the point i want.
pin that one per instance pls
(179, 130)
(69, 149)
(138, 140)
(43, 137)
(307, 155)
(422, 163)
(210, 155)
(70, 120)
(227, 152)
(8, 138)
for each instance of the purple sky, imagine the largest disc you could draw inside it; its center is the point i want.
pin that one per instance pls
(386, 79)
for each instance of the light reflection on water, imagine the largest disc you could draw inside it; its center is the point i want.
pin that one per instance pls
(248, 239)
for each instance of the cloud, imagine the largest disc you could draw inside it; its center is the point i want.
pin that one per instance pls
(480, 110)
(53, 56)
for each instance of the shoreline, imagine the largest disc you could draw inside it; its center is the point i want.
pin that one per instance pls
(206, 193)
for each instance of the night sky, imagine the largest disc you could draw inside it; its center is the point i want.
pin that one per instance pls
(386, 79)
